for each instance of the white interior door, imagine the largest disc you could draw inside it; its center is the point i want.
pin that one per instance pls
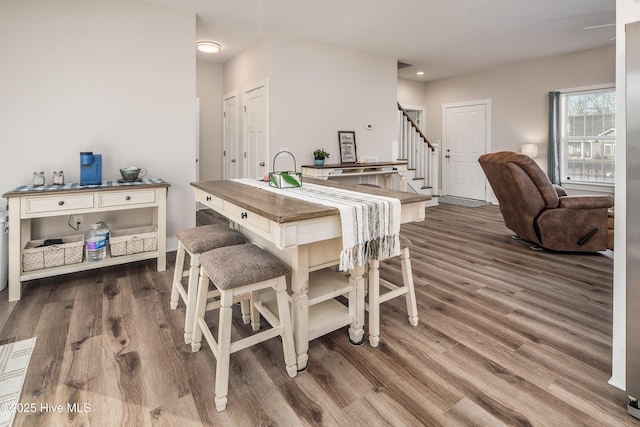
(465, 139)
(256, 144)
(231, 150)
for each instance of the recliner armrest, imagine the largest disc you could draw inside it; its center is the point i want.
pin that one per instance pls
(561, 191)
(586, 202)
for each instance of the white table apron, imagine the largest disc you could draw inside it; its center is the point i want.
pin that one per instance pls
(370, 223)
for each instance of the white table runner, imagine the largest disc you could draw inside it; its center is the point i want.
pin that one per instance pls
(370, 223)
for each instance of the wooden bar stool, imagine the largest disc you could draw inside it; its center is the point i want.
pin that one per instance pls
(237, 272)
(195, 241)
(375, 298)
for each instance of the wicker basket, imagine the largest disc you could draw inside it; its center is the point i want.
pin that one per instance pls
(37, 258)
(133, 240)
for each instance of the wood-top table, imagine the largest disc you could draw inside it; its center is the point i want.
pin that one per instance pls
(307, 236)
(385, 169)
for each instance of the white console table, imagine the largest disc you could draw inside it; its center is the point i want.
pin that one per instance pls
(27, 203)
(385, 169)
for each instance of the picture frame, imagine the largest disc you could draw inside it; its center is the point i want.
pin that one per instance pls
(347, 142)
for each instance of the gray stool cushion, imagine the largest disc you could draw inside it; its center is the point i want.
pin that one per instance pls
(197, 240)
(240, 265)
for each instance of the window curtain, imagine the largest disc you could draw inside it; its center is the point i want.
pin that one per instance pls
(553, 156)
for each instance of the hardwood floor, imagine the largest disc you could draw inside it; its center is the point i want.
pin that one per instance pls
(507, 336)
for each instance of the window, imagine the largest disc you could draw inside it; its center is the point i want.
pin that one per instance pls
(588, 137)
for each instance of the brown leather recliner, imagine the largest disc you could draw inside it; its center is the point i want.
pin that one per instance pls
(541, 212)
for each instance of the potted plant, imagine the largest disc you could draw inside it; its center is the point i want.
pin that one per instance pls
(319, 155)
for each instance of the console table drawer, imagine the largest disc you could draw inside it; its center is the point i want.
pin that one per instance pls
(60, 203)
(243, 217)
(124, 198)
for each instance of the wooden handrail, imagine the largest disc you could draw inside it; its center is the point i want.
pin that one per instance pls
(424, 138)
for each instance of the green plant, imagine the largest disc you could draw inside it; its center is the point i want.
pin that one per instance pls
(320, 154)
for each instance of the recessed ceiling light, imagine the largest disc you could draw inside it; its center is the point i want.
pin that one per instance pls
(208, 47)
(420, 73)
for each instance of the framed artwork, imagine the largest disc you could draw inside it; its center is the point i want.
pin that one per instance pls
(347, 141)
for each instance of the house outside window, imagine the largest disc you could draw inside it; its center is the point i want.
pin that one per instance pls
(588, 137)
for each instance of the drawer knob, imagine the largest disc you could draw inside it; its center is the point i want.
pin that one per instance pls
(243, 215)
(128, 198)
(61, 202)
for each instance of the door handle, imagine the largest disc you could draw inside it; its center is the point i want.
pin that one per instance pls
(447, 156)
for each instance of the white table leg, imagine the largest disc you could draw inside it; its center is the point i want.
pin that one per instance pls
(356, 305)
(300, 305)
(160, 220)
(403, 181)
(16, 236)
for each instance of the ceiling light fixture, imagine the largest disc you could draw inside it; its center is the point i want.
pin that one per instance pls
(208, 47)
(420, 73)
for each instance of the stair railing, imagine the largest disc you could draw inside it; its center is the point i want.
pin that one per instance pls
(417, 151)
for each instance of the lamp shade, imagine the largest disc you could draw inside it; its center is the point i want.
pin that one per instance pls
(530, 150)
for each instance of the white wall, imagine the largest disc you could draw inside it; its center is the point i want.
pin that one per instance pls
(249, 66)
(83, 76)
(519, 94)
(209, 91)
(411, 92)
(319, 89)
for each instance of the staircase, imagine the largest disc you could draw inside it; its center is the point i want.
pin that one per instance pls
(422, 157)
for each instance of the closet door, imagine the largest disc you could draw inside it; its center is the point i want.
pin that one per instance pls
(256, 131)
(231, 150)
